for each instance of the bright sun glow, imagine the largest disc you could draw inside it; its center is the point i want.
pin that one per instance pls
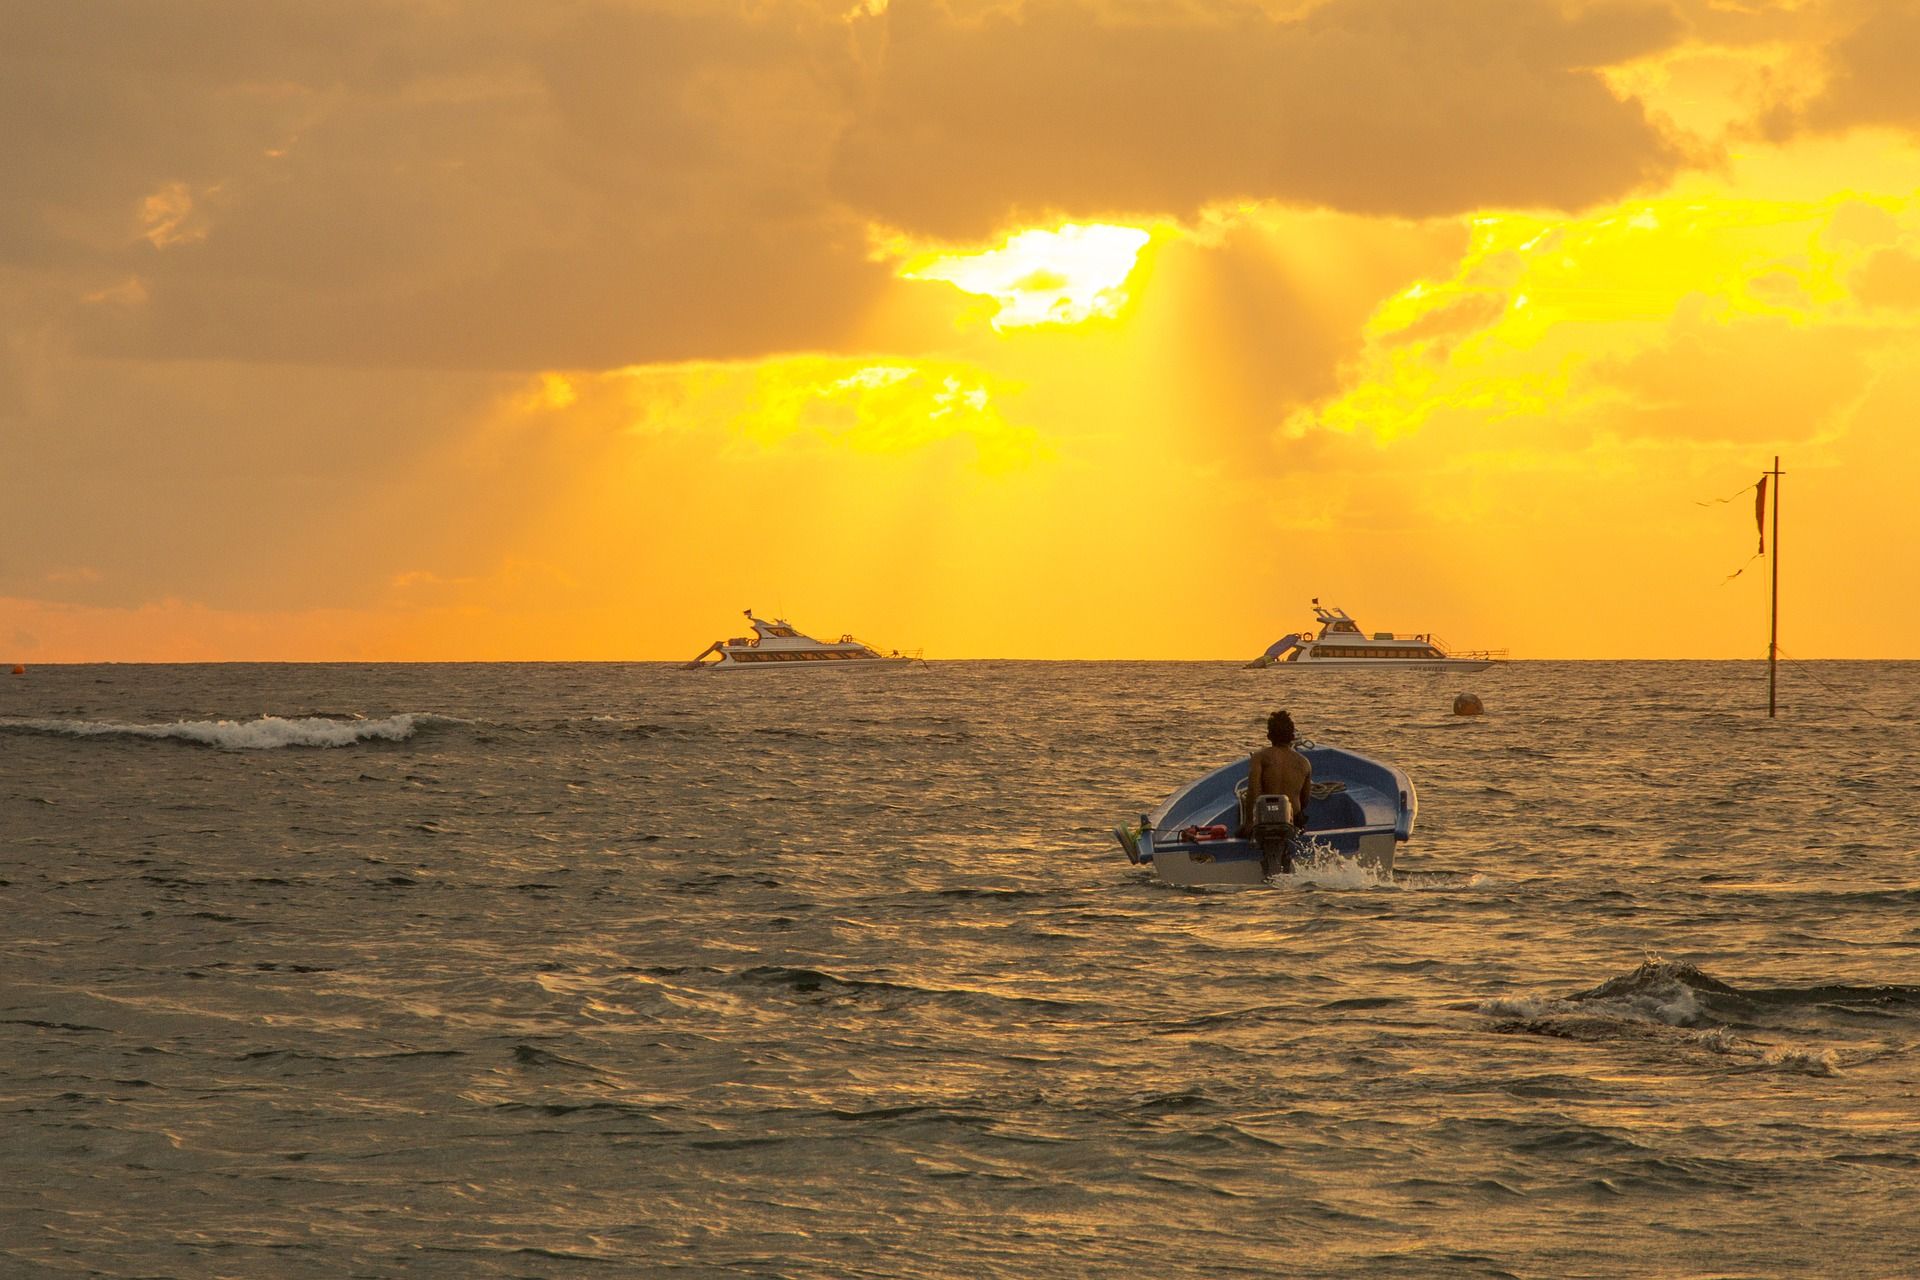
(1045, 277)
(1555, 317)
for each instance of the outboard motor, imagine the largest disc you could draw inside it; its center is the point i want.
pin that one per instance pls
(1273, 831)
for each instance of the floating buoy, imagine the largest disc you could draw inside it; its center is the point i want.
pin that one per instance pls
(19, 670)
(1467, 705)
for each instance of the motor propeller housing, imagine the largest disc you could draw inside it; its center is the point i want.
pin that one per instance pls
(1274, 831)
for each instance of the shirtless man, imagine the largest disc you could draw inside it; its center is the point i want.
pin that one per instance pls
(1277, 770)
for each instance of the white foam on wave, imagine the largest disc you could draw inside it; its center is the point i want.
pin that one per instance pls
(1447, 880)
(1527, 1007)
(1719, 1040)
(1326, 869)
(1674, 1007)
(1674, 1003)
(1804, 1059)
(263, 734)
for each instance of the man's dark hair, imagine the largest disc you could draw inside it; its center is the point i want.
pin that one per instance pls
(1280, 729)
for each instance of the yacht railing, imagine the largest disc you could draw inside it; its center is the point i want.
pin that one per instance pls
(1465, 655)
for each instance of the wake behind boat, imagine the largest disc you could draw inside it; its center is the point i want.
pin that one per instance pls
(1341, 643)
(1359, 807)
(778, 646)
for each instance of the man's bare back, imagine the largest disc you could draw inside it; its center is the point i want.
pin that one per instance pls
(1278, 771)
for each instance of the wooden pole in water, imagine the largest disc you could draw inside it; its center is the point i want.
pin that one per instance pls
(1773, 634)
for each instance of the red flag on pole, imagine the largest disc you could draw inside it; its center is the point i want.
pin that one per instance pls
(1760, 513)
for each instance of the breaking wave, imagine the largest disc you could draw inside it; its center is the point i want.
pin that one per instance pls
(1668, 1000)
(263, 734)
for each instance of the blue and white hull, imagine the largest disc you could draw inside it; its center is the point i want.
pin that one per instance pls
(1361, 808)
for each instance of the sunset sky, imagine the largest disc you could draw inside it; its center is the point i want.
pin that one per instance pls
(488, 329)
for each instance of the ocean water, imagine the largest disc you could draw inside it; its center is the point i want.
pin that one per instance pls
(611, 970)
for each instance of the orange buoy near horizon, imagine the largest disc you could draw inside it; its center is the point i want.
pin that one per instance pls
(19, 670)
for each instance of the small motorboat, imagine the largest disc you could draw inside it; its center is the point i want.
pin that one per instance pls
(1359, 808)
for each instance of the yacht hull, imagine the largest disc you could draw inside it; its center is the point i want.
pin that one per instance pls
(1388, 664)
(844, 664)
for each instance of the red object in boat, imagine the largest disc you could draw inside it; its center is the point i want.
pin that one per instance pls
(1197, 834)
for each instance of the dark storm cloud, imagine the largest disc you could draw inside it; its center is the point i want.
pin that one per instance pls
(498, 184)
(1396, 107)
(1872, 70)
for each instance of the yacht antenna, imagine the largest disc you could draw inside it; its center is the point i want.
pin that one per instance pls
(1773, 634)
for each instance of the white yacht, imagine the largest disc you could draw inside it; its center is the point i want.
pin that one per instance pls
(777, 645)
(1341, 643)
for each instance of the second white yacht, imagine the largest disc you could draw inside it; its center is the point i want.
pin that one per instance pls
(1341, 643)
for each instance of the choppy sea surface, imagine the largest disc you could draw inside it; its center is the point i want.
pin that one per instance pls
(609, 970)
